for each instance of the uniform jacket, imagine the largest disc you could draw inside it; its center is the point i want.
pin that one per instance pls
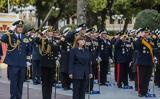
(143, 54)
(65, 48)
(35, 50)
(49, 60)
(105, 49)
(17, 57)
(122, 54)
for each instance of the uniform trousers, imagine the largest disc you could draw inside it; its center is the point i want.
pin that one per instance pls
(157, 75)
(66, 81)
(122, 74)
(17, 77)
(104, 71)
(143, 77)
(36, 70)
(47, 76)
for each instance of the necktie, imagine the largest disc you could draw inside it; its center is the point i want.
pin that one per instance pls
(19, 36)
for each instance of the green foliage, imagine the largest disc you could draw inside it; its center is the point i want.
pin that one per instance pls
(3, 5)
(97, 5)
(123, 7)
(148, 18)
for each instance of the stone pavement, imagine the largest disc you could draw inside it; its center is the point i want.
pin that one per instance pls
(111, 92)
(34, 93)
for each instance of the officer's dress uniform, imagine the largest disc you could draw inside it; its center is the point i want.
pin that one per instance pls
(157, 68)
(122, 57)
(130, 42)
(115, 60)
(1, 50)
(16, 59)
(64, 64)
(144, 63)
(79, 67)
(105, 52)
(49, 55)
(92, 45)
(36, 69)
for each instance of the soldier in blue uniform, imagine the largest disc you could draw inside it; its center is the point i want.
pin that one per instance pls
(18, 49)
(36, 69)
(65, 48)
(1, 50)
(144, 61)
(92, 45)
(1, 54)
(156, 48)
(49, 50)
(79, 67)
(117, 37)
(123, 59)
(105, 53)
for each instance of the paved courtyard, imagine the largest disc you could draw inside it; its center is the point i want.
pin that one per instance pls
(111, 92)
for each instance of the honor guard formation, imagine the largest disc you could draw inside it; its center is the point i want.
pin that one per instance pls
(77, 59)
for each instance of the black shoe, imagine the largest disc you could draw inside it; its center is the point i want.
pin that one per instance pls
(140, 95)
(35, 83)
(102, 84)
(38, 82)
(119, 85)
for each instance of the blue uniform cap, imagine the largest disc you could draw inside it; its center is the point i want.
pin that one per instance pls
(18, 23)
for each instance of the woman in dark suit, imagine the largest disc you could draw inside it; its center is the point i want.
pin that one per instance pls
(79, 67)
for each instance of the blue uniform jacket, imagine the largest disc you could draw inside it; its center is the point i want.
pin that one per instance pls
(121, 52)
(105, 49)
(17, 57)
(35, 50)
(80, 63)
(143, 54)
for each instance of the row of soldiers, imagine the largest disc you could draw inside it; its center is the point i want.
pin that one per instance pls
(133, 53)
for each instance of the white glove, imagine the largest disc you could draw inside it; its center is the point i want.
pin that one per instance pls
(28, 65)
(57, 62)
(110, 60)
(98, 59)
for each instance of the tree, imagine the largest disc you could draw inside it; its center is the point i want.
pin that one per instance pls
(148, 18)
(97, 11)
(125, 8)
(4, 4)
(130, 8)
(65, 10)
(97, 5)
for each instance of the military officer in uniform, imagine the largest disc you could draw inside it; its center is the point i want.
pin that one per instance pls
(92, 45)
(105, 53)
(144, 61)
(49, 50)
(1, 54)
(36, 69)
(157, 57)
(123, 59)
(65, 47)
(18, 49)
